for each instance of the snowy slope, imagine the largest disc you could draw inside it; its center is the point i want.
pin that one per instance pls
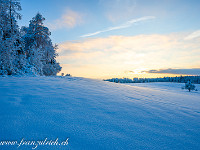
(96, 115)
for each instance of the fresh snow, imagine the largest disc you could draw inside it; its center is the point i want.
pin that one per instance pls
(96, 114)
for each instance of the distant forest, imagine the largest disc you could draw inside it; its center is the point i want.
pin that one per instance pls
(180, 79)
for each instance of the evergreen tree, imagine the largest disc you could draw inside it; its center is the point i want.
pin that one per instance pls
(39, 49)
(11, 49)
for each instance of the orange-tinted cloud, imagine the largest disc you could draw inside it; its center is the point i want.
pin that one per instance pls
(116, 54)
(69, 19)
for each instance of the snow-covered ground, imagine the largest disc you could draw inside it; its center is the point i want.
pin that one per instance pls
(95, 114)
(165, 86)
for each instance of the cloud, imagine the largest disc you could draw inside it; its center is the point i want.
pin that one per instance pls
(69, 19)
(193, 35)
(125, 25)
(113, 55)
(194, 71)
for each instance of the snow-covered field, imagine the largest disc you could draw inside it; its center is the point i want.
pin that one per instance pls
(95, 114)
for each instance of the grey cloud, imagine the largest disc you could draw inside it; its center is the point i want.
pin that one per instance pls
(193, 71)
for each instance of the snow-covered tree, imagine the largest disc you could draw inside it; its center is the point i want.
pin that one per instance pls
(11, 44)
(51, 66)
(189, 86)
(39, 47)
(29, 50)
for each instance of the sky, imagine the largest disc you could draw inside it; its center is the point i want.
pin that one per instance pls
(122, 38)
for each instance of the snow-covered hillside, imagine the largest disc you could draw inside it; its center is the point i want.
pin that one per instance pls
(95, 114)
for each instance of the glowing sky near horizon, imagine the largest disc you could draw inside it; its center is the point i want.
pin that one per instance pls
(122, 38)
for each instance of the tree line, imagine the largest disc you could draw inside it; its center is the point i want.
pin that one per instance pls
(180, 79)
(25, 50)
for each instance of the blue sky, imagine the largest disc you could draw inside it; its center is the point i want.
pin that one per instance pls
(73, 22)
(171, 16)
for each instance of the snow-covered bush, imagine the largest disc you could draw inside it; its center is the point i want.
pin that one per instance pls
(189, 86)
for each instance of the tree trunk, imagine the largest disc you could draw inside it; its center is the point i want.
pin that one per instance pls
(11, 22)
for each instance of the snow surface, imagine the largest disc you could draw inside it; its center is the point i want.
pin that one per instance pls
(96, 114)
